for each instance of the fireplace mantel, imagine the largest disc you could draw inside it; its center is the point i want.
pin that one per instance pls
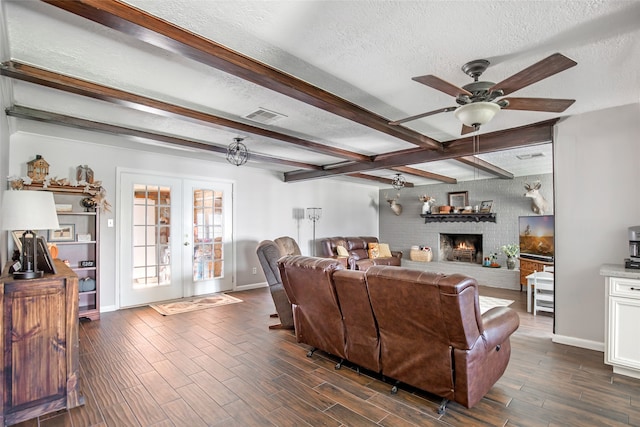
(459, 217)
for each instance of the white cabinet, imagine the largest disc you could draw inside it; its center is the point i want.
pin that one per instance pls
(622, 346)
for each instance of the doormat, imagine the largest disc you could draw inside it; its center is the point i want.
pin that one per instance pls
(186, 305)
(487, 303)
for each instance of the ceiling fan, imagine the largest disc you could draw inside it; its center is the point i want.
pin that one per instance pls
(478, 101)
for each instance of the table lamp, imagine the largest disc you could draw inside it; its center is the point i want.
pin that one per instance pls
(30, 211)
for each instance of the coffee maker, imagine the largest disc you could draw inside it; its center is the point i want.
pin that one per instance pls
(634, 248)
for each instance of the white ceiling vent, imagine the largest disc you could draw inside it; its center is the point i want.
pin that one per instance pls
(264, 116)
(530, 156)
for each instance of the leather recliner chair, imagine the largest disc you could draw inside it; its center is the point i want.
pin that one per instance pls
(433, 335)
(268, 254)
(316, 312)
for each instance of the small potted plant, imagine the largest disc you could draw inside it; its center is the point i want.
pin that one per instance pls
(511, 251)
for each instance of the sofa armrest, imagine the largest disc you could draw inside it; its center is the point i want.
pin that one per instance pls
(341, 259)
(498, 324)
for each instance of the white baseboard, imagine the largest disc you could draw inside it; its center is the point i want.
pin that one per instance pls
(578, 342)
(251, 286)
(108, 308)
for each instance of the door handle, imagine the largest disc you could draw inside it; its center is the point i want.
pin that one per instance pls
(186, 243)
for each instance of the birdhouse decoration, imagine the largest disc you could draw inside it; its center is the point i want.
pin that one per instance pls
(37, 169)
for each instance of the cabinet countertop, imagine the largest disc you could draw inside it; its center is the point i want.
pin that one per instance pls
(618, 270)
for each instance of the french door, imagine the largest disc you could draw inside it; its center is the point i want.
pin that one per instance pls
(208, 237)
(176, 238)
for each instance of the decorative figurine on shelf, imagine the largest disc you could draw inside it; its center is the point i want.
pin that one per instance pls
(37, 169)
(427, 203)
(84, 174)
(88, 204)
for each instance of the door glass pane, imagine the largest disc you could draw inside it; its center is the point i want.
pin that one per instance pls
(207, 234)
(151, 231)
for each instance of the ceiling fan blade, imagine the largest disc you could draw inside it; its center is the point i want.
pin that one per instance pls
(443, 86)
(419, 116)
(536, 72)
(539, 104)
(467, 129)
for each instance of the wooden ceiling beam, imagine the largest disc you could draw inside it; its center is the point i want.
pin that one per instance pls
(533, 134)
(483, 165)
(31, 74)
(78, 123)
(425, 174)
(378, 179)
(165, 35)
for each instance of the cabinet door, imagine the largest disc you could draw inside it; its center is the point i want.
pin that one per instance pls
(623, 346)
(35, 344)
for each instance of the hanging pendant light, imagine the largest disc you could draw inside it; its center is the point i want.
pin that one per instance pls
(237, 153)
(398, 181)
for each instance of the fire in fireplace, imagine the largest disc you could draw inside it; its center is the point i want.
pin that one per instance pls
(461, 247)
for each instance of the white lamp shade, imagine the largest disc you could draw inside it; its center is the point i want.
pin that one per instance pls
(29, 210)
(476, 113)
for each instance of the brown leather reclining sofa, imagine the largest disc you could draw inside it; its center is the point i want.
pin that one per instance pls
(357, 248)
(420, 328)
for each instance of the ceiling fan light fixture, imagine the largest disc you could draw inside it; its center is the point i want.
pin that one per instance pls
(476, 113)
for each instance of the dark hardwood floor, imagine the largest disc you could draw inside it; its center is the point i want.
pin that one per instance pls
(224, 367)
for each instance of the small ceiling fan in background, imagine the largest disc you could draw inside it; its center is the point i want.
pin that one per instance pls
(478, 101)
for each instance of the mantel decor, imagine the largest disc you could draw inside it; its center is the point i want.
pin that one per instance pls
(459, 199)
(97, 194)
(459, 217)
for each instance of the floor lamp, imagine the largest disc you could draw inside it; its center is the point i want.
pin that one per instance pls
(314, 215)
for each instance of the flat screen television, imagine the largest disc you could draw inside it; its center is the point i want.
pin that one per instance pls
(536, 237)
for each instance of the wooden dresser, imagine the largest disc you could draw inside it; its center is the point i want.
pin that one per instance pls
(528, 266)
(39, 324)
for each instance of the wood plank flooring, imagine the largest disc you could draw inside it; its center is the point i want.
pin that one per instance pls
(224, 367)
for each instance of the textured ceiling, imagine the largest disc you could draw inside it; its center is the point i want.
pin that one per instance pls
(363, 51)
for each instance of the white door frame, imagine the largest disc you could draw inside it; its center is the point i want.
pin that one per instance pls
(118, 217)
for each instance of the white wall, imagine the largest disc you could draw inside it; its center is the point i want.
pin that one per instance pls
(264, 204)
(597, 173)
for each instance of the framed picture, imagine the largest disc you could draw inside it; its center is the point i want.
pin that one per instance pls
(459, 199)
(66, 233)
(84, 237)
(485, 207)
(17, 235)
(45, 263)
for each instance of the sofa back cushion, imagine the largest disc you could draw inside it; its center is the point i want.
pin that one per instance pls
(316, 311)
(268, 255)
(358, 247)
(287, 245)
(329, 246)
(422, 311)
(363, 343)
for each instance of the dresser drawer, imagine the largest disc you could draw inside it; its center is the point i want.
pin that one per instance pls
(621, 287)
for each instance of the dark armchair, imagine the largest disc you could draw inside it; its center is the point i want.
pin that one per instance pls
(268, 254)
